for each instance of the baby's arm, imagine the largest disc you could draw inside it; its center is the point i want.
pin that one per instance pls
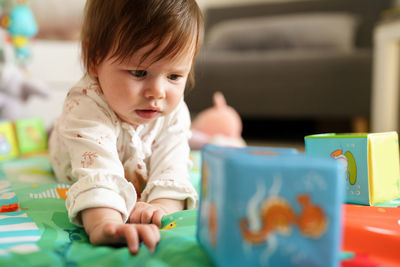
(169, 183)
(100, 198)
(154, 211)
(105, 226)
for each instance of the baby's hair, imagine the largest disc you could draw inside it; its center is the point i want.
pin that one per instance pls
(125, 26)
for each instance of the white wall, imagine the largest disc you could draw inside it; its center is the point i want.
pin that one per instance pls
(45, 66)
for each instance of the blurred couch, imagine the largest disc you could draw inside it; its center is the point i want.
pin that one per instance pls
(292, 60)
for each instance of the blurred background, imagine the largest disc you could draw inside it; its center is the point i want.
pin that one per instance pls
(288, 67)
(299, 67)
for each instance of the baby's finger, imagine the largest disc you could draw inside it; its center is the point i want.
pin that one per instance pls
(112, 234)
(149, 236)
(157, 216)
(156, 231)
(147, 215)
(132, 238)
(109, 230)
(135, 216)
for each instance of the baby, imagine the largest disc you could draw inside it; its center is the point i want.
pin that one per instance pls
(122, 138)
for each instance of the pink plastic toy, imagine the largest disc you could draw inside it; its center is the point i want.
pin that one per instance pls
(219, 125)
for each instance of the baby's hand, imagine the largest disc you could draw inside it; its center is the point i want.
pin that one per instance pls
(131, 234)
(105, 227)
(146, 213)
(154, 211)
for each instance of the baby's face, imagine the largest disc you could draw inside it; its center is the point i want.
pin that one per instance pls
(140, 92)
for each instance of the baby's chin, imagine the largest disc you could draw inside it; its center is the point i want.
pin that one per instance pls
(142, 117)
(136, 122)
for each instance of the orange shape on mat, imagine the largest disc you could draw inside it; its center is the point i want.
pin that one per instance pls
(9, 208)
(62, 192)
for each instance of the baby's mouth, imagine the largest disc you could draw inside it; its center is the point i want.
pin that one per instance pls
(147, 113)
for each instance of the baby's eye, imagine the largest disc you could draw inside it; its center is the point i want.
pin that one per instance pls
(174, 77)
(138, 73)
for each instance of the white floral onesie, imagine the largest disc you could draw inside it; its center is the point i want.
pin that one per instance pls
(110, 164)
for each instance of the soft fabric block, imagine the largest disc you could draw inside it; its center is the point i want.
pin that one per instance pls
(8, 141)
(371, 163)
(270, 207)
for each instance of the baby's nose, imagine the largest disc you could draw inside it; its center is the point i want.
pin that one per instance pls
(155, 89)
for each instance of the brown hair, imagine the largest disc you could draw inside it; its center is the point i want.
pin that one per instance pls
(125, 26)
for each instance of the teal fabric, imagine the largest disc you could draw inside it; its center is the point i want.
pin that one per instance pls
(51, 240)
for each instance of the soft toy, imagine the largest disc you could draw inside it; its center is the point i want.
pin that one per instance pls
(21, 24)
(219, 125)
(15, 90)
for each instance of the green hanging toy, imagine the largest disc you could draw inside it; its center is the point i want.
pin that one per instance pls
(22, 27)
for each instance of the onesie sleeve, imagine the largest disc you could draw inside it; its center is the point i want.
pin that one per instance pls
(170, 162)
(89, 133)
